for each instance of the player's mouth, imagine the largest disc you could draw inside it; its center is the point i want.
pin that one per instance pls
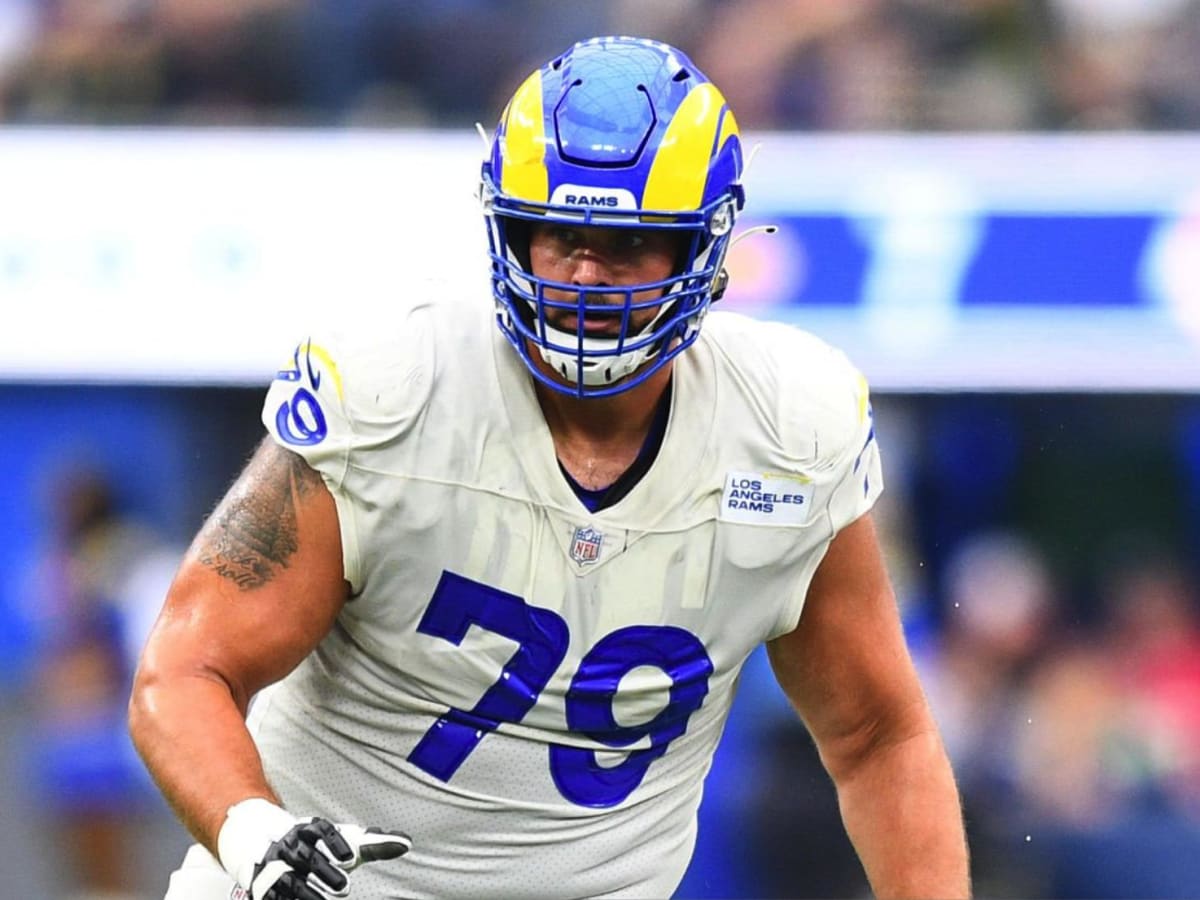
(595, 324)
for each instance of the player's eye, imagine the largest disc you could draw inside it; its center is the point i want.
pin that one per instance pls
(565, 235)
(632, 241)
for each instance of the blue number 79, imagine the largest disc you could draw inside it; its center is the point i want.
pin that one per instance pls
(542, 637)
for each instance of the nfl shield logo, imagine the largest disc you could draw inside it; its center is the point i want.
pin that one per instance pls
(585, 546)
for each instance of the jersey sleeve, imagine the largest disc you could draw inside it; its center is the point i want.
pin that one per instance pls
(305, 410)
(859, 478)
(340, 402)
(846, 464)
(825, 414)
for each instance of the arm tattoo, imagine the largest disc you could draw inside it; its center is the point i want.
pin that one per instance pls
(254, 533)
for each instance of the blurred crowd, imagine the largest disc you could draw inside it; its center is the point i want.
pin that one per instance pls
(1072, 736)
(784, 64)
(1051, 599)
(83, 606)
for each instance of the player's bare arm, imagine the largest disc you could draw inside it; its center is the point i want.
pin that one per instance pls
(847, 671)
(254, 534)
(259, 587)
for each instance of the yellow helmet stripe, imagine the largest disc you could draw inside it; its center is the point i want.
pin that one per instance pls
(523, 149)
(680, 168)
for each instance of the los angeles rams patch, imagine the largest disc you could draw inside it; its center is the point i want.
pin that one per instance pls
(766, 498)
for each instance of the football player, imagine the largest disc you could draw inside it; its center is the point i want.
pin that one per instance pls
(492, 576)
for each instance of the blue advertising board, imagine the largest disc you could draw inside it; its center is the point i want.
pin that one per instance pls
(1008, 262)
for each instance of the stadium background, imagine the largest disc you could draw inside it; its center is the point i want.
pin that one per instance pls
(993, 205)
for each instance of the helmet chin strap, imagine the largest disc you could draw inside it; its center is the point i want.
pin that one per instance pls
(593, 370)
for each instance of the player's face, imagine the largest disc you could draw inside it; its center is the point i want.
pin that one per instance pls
(591, 256)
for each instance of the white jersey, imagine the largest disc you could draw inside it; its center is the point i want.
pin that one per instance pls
(532, 691)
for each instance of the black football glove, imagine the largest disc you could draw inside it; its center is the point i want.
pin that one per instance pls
(275, 856)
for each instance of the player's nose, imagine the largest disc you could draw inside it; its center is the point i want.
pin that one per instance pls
(590, 270)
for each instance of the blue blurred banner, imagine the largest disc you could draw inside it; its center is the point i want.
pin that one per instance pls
(977, 263)
(939, 263)
(1068, 259)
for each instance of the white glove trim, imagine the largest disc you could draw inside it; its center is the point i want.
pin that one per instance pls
(271, 872)
(250, 828)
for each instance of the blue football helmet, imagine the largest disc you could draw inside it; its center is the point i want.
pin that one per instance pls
(624, 133)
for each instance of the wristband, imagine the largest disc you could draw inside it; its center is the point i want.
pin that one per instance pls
(250, 827)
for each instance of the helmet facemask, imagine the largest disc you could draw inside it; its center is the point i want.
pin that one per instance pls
(590, 366)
